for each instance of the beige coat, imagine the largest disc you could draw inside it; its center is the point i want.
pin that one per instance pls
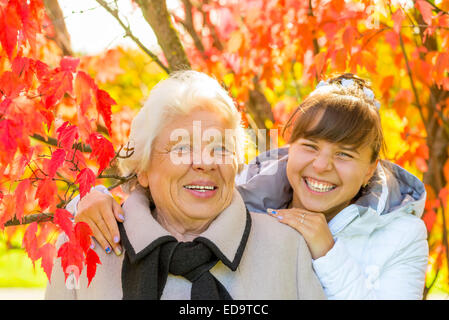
(276, 263)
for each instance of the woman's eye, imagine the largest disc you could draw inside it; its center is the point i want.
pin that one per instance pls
(344, 155)
(310, 146)
(220, 150)
(181, 148)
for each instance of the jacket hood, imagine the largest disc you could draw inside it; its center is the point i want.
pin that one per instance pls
(263, 184)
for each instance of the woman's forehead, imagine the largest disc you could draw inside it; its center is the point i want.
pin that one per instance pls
(198, 119)
(203, 125)
(340, 145)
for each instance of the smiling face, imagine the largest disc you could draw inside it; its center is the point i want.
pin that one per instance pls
(326, 176)
(192, 170)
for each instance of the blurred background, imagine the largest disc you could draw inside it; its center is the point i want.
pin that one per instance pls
(269, 54)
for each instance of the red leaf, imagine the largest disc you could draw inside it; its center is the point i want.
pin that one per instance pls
(78, 157)
(24, 68)
(21, 198)
(30, 14)
(46, 191)
(41, 69)
(9, 134)
(85, 88)
(10, 25)
(443, 195)
(57, 159)
(62, 218)
(48, 253)
(423, 151)
(29, 242)
(426, 10)
(397, 17)
(421, 164)
(86, 180)
(102, 149)
(10, 84)
(441, 65)
(83, 235)
(104, 103)
(8, 208)
(429, 219)
(72, 258)
(69, 64)
(92, 260)
(349, 35)
(56, 83)
(446, 170)
(67, 134)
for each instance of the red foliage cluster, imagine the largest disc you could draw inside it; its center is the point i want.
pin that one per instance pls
(32, 91)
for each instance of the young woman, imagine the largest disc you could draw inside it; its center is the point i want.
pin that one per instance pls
(359, 215)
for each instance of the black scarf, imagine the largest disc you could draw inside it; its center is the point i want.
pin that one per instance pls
(144, 274)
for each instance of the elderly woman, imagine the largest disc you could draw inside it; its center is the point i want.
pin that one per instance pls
(198, 241)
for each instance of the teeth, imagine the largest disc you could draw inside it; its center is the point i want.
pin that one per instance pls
(200, 188)
(319, 187)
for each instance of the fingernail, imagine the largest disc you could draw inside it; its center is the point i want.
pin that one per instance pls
(121, 217)
(108, 250)
(116, 239)
(272, 211)
(92, 245)
(280, 217)
(118, 251)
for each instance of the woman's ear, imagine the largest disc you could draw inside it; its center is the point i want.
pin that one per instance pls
(143, 179)
(371, 169)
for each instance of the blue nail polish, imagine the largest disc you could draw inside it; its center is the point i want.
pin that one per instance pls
(274, 212)
(280, 217)
(116, 239)
(108, 250)
(121, 217)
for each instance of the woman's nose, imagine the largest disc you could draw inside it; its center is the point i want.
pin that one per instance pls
(202, 161)
(322, 162)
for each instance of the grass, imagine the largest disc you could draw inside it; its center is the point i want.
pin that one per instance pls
(16, 269)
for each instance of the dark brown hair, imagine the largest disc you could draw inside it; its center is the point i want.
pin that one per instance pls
(347, 116)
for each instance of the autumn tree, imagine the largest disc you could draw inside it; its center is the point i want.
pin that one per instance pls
(269, 54)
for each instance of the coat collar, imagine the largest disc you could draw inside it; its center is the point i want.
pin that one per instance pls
(228, 232)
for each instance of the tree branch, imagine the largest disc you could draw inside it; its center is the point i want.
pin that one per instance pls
(48, 216)
(213, 32)
(410, 76)
(316, 46)
(128, 33)
(38, 217)
(62, 36)
(54, 142)
(156, 14)
(189, 27)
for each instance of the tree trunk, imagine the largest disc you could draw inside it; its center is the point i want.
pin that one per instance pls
(156, 14)
(259, 110)
(61, 36)
(437, 141)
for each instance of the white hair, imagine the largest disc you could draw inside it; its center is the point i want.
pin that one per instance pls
(175, 96)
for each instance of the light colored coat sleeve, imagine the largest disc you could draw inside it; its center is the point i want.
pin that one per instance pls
(58, 288)
(72, 206)
(402, 277)
(309, 287)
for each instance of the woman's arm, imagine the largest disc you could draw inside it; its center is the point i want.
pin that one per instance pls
(401, 278)
(309, 287)
(101, 212)
(59, 288)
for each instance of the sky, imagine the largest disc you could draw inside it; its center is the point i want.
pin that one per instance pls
(92, 29)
